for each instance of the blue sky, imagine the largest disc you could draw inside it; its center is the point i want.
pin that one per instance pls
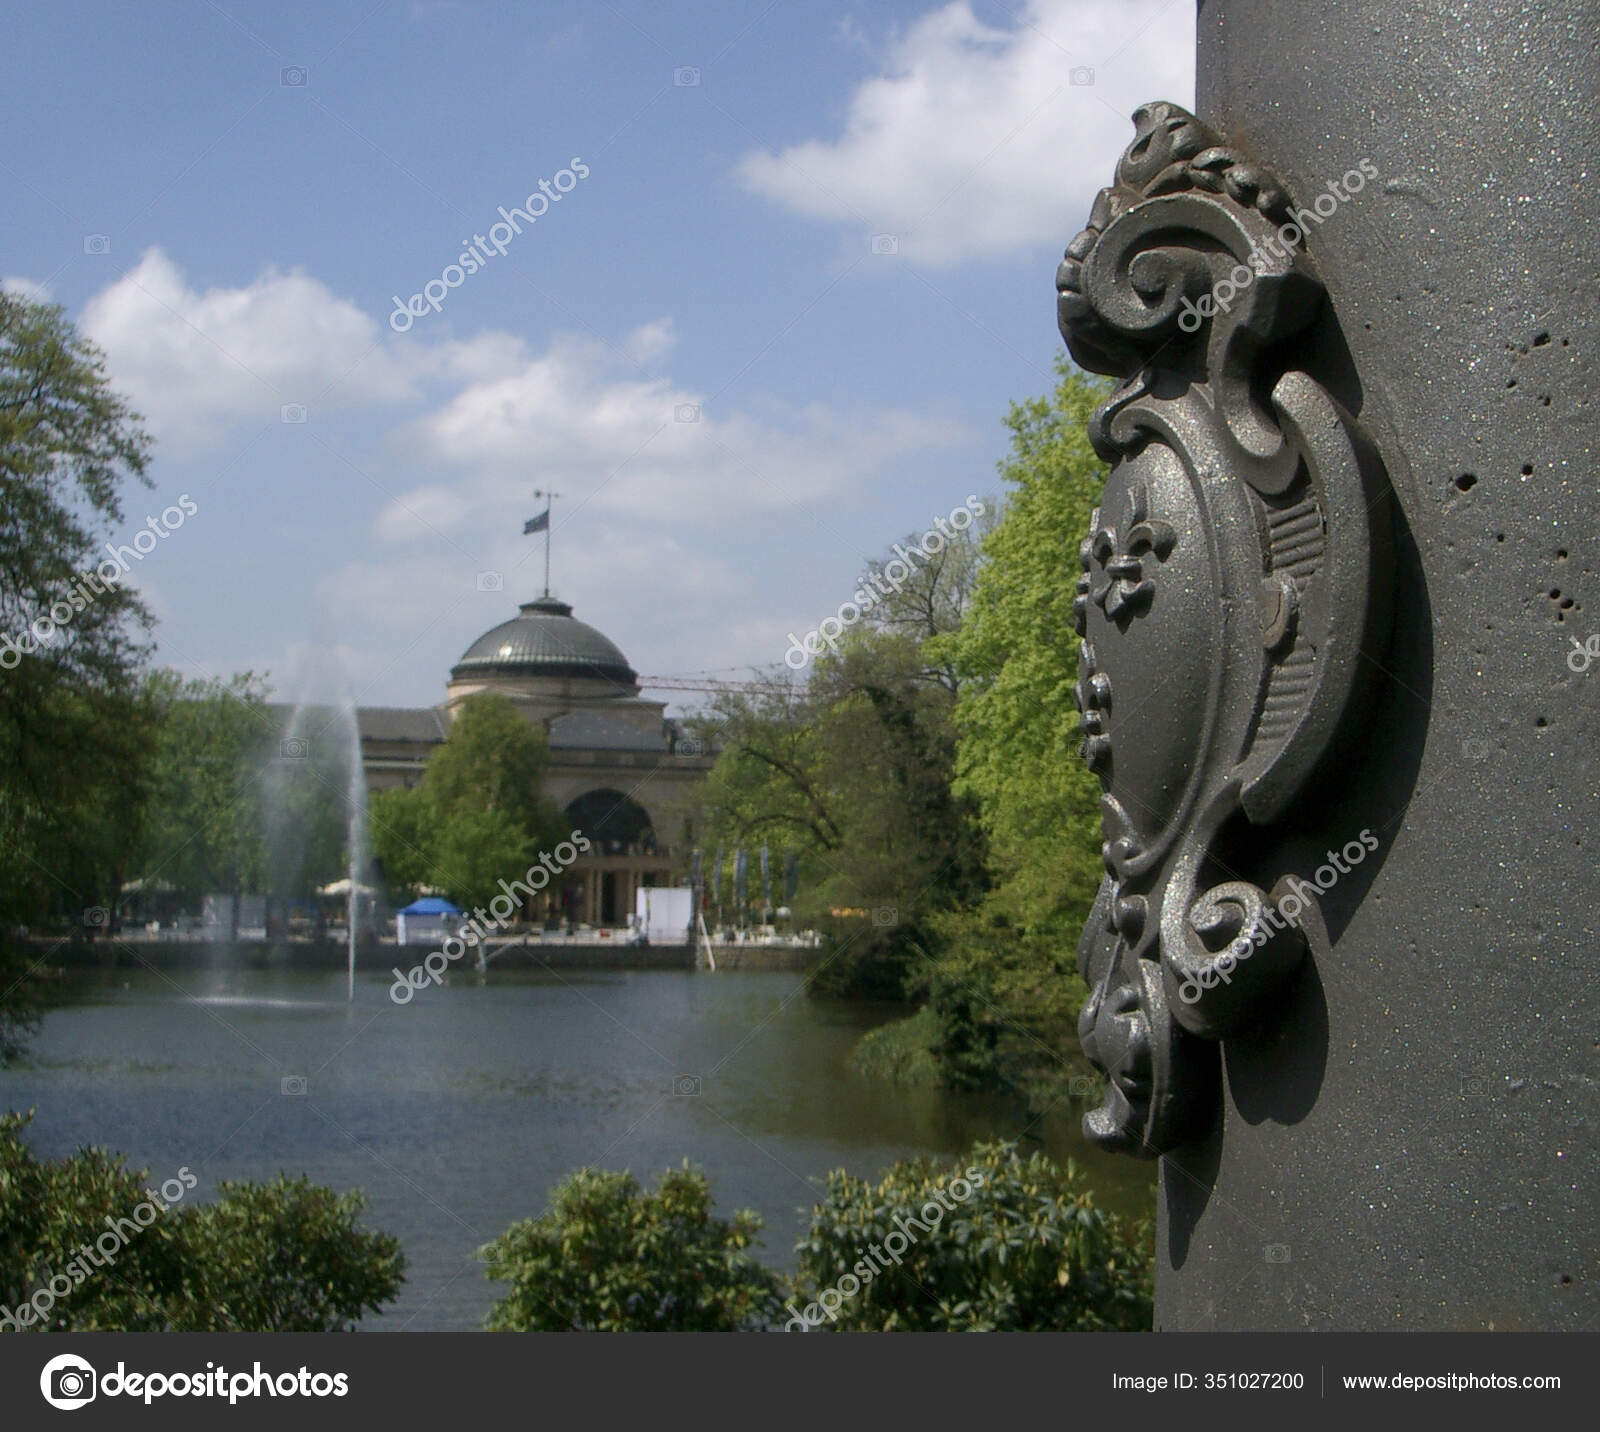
(827, 234)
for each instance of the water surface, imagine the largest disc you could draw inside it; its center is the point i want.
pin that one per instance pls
(458, 1112)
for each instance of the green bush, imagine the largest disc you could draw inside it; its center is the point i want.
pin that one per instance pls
(1007, 1001)
(1003, 1244)
(901, 1051)
(610, 1257)
(285, 1256)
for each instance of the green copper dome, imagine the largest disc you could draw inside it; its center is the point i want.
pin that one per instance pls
(544, 640)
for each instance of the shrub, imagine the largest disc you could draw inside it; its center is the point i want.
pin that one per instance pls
(1002, 1244)
(285, 1256)
(901, 1051)
(610, 1257)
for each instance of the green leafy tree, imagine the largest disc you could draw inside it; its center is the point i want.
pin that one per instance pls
(474, 850)
(1002, 988)
(285, 1256)
(401, 837)
(206, 822)
(853, 774)
(996, 1243)
(1019, 659)
(479, 815)
(609, 1256)
(73, 737)
(495, 760)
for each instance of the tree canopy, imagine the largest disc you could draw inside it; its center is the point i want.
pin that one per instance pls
(73, 728)
(479, 814)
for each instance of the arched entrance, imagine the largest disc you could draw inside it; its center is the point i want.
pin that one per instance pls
(623, 856)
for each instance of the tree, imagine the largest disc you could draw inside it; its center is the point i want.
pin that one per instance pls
(86, 1246)
(495, 760)
(996, 1243)
(853, 775)
(72, 729)
(1019, 660)
(401, 842)
(1003, 988)
(206, 825)
(479, 814)
(474, 850)
(611, 1257)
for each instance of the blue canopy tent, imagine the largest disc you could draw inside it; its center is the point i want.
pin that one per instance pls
(423, 921)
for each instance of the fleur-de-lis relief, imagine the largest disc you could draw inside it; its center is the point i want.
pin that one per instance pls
(1126, 588)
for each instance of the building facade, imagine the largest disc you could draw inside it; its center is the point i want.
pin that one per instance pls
(619, 766)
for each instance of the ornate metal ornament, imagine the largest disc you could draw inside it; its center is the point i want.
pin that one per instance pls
(1234, 573)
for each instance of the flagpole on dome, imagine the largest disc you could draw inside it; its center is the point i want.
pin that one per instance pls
(541, 523)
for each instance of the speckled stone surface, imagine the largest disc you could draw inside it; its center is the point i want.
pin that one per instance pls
(1415, 1145)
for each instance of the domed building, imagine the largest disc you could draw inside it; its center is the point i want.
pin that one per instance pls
(618, 766)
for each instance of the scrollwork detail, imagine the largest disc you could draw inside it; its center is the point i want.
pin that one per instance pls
(1233, 575)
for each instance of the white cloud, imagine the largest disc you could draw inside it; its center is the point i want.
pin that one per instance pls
(974, 140)
(192, 361)
(639, 447)
(645, 460)
(26, 288)
(423, 612)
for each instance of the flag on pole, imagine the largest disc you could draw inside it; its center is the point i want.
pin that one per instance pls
(541, 523)
(766, 879)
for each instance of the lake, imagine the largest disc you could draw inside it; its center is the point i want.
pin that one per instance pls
(458, 1112)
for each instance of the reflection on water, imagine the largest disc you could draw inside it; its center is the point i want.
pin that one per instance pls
(458, 1112)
